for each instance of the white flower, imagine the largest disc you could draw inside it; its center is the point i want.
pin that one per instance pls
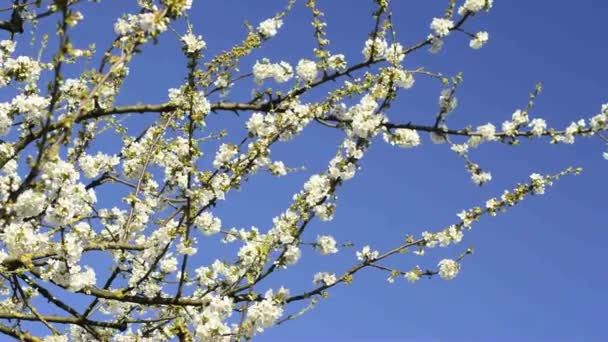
(442, 26)
(306, 70)
(262, 315)
(365, 122)
(378, 45)
(281, 72)
(22, 69)
(465, 217)
(149, 23)
(186, 248)
(262, 70)
(509, 128)
(326, 245)
(7, 47)
(29, 203)
(520, 117)
(5, 118)
(261, 125)
(99, 163)
(324, 278)
(122, 27)
(337, 62)
(539, 126)
(599, 122)
(480, 39)
(412, 276)
(538, 184)
(196, 102)
(325, 211)
(292, 254)
(31, 106)
(80, 280)
(403, 137)
(461, 149)
(224, 155)
(447, 101)
(193, 43)
(367, 254)
(487, 132)
(480, 178)
(492, 204)
(395, 53)
(278, 168)
(455, 234)
(475, 6)
(605, 155)
(168, 264)
(403, 79)
(316, 188)
(269, 27)
(208, 224)
(430, 239)
(448, 269)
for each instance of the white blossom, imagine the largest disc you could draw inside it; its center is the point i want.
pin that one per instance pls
(326, 245)
(281, 72)
(83, 279)
(31, 106)
(208, 224)
(324, 278)
(292, 254)
(378, 47)
(307, 70)
(538, 183)
(403, 137)
(269, 27)
(487, 132)
(336, 62)
(278, 168)
(480, 39)
(412, 276)
(448, 269)
(538, 127)
(404, 79)
(395, 53)
(193, 43)
(367, 254)
(480, 178)
(442, 26)
(475, 6)
(224, 154)
(262, 315)
(168, 264)
(93, 165)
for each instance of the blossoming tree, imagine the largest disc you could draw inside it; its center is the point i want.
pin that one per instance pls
(60, 232)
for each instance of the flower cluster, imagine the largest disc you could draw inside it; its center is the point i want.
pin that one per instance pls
(280, 72)
(193, 43)
(448, 269)
(148, 23)
(269, 27)
(403, 137)
(307, 70)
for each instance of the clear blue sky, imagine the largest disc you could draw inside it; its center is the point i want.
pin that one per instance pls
(538, 272)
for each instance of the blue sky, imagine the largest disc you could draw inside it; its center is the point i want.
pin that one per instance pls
(538, 272)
